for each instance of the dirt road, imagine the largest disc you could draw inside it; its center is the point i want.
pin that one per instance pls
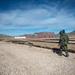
(16, 59)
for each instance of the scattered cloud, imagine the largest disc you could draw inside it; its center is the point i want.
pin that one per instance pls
(41, 18)
(35, 18)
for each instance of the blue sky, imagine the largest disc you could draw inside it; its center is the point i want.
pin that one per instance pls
(19, 17)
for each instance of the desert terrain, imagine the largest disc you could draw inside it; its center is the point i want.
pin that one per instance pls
(39, 56)
(18, 59)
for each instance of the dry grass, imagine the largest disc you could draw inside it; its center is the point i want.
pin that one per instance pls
(43, 42)
(71, 47)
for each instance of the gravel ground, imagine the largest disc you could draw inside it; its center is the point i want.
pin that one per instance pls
(16, 59)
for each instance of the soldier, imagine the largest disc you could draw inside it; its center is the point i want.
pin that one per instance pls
(63, 41)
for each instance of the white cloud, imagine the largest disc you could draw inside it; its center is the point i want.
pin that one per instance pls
(36, 18)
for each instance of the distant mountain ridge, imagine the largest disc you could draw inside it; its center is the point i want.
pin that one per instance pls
(72, 33)
(5, 36)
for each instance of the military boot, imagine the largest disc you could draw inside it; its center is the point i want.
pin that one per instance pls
(67, 55)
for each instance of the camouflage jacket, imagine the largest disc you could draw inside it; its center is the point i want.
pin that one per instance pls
(63, 40)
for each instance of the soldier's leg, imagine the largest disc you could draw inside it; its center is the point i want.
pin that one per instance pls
(66, 51)
(60, 51)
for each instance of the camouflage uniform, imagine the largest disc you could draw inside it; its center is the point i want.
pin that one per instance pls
(63, 41)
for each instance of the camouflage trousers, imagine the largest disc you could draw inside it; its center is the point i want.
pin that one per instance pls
(65, 49)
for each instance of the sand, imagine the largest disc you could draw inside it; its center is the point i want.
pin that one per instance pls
(16, 59)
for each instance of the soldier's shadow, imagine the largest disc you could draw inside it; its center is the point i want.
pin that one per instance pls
(56, 50)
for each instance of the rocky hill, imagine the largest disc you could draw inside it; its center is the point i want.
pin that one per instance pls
(72, 33)
(5, 36)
